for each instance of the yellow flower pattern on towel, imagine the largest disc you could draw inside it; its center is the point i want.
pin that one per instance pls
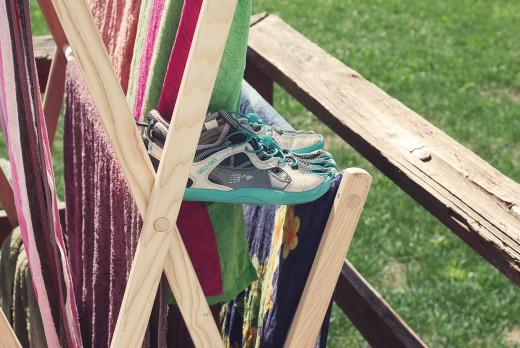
(291, 227)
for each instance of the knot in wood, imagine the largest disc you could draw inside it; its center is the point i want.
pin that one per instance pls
(161, 224)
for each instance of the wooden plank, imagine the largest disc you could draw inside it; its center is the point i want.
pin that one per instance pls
(259, 81)
(476, 201)
(54, 92)
(59, 38)
(8, 338)
(157, 238)
(43, 47)
(371, 314)
(7, 198)
(333, 248)
(5, 226)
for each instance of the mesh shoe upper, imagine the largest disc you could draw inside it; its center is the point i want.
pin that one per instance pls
(298, 141)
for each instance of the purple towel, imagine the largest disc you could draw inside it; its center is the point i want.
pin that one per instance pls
(103, 223)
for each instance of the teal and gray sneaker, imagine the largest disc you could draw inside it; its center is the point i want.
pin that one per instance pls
(297, 141)
(234, 164)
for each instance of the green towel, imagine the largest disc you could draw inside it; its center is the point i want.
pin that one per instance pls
(163, 48)
(144, 14)
(228, 85)
(237, 271)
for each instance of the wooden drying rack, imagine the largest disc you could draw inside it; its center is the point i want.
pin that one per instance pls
(158, 196)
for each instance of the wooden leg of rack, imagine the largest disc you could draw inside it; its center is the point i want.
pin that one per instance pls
(7, 337)
(331, 253)
(7, 199)
(54, 93)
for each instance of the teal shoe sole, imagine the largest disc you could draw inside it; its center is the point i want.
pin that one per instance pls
(257, 196)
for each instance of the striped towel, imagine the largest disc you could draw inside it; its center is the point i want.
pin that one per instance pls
(33, 178)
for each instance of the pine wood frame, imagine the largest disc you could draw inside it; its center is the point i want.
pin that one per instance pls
(158, 197)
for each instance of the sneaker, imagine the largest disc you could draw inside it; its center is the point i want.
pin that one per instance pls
(233, 164)
(297, 141)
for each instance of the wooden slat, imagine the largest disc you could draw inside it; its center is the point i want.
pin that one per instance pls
(7, 337)
(43, 47)
(54, 92)
(333, 248)
(371, 314)
(473, 199)
(259, 81)
(7, 198)
(177, 157)
(5, 226)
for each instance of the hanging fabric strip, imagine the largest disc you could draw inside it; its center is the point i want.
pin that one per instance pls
(33, 179)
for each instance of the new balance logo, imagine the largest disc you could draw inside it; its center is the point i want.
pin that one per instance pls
(207, 166)
(238, 177)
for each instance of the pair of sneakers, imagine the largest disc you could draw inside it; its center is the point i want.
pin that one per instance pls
(240, 159)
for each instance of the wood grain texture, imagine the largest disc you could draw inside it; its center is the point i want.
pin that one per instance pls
(371, 314)
(158, 238)
(333, 248)
(8, 338)
(476, 201)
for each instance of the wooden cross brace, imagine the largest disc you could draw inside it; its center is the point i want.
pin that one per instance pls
(158, 197)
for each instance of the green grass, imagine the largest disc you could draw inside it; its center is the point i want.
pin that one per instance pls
(457, 63)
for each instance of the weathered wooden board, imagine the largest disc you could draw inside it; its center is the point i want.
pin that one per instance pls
(371, 314)
(476, 201)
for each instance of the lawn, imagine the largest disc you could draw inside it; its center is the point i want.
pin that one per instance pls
(457, 63)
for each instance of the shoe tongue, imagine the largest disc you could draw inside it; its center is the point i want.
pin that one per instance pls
(232, 121)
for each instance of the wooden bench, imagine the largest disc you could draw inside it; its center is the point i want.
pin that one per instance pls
(465, 193)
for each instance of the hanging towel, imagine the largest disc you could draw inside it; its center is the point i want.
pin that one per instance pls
(218, 250)
(33, 179)
(152, 51)
(117, 23)
(103, 223)
(125, 42)
(133, 80)
(282, 243)
(226, 93)
(178, 58)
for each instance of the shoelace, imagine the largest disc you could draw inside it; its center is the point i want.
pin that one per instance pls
(263, 144)
(252, 118)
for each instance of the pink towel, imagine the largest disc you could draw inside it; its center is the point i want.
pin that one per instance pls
(149, 46)
(178, 58)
